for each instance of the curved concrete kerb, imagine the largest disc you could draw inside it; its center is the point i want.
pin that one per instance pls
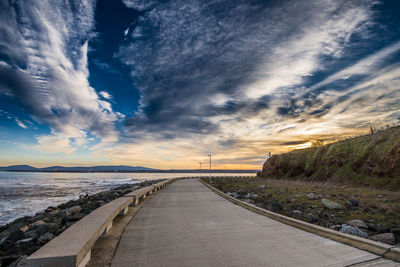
(386, 251)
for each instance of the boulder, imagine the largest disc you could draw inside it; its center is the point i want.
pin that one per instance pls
(387, 238)
(43, 239)
(16, 235)
(335, 227)
(273, 206)
(330, 204)
(39, 222)
(9, 259)
(396, 232)
(311, 218)
(352, 203)
(254, 196)
(347, 229)
(297, 213)
(25, 240)
(46, 227)
(377, 227)
(261, 187)
(312, 196)
(241, 193)
(19, 262)
(357, 223)
(73, 210)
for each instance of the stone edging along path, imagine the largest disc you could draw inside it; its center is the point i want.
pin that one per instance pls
(384, 250)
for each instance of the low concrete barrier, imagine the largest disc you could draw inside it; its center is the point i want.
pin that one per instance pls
(72, 248)
(140, 193)
(384, 250)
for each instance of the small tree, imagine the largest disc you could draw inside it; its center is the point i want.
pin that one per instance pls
(317, 143)
(372, 129)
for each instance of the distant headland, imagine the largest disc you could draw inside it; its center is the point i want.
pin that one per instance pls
(111, 168)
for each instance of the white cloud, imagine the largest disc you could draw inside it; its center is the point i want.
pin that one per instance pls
(52, 42)
(105, 95)
(20, 123)
(54, 144)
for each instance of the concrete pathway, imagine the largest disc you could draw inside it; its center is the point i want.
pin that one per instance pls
(186, 224)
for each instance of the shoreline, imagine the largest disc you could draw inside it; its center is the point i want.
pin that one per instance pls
(27, 234)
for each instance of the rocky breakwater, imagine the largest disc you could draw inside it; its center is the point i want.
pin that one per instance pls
(25, 235)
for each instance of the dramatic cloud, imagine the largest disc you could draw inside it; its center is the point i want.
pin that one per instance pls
(46, 48)
(198, 60)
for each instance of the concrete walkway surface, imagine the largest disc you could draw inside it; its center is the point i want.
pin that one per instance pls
(186, 224)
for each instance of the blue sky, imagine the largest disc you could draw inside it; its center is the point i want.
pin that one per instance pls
(163, 83)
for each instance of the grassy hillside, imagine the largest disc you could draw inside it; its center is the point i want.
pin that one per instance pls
(370, 160)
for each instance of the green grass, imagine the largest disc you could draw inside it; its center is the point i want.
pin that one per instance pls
(372, 159)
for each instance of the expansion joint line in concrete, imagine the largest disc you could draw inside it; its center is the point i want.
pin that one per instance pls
(366, 261)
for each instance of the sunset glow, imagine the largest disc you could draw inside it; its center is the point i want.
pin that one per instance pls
(162, 85)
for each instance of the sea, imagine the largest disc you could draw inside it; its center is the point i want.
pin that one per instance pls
(26, 193)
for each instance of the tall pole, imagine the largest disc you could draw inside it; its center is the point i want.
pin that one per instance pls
(200, 168)
(210, 166)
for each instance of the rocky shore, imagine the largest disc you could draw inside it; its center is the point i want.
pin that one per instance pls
(363, 212)
(25, 235)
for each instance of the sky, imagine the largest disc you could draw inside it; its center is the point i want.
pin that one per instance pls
(162, 84)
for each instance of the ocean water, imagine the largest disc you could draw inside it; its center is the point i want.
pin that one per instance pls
(26, 193)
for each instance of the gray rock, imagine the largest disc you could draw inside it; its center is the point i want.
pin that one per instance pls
(377, 227)
(76, 217)
(45, 238)
(235, 195)
(19, 262)
(357, 223)
(311, 218)
(16, 235)
(25, 240)
(330, 204)
(46, 227)
(387, 238)
(72, 210)
(297, 213)
(273, 206)
(247, 196)
(352, 203)
(241, 193)
(31, 234)
(396, 232)
(312, 196)
(261, 187)
(347, 229)
(335, 227)
(254, 196)
(39, 222)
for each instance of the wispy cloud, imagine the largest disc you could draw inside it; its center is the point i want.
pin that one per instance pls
(21, 124)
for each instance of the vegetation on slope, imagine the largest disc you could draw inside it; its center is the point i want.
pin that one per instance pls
(372, 159)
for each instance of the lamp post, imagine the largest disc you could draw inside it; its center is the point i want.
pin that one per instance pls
(200, 169)
(210, 166)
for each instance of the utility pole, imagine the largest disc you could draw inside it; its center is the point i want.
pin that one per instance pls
(210, 166)
(200, 169)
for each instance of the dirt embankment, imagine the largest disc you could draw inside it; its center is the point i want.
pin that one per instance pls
(368, 160)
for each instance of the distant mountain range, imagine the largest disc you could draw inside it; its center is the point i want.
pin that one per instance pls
(119, 168)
